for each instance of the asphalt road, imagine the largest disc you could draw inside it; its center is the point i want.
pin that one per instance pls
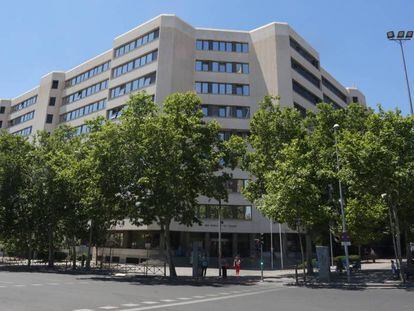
(54, 292)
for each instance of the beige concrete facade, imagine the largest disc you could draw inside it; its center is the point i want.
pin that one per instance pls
(270, 54)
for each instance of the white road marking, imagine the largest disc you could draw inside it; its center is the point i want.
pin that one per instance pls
(108, 307)
(201, 300)
(130, 305)
(224, 293)
(150, 302)
(199, 297)
(83, 310)
(167, 300)
(19, 285)
(212, 295)
(184, 298)
(52, 284)
(36, 284)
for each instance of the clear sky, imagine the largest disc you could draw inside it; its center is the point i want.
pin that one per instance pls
(46, 35)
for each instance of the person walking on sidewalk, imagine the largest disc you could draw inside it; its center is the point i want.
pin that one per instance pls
(204, 265)
(237, 264)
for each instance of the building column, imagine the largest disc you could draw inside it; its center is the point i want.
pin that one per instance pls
(207, 243)
(251, 243)
(235, 247)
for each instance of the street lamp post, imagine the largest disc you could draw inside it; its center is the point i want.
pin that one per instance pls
(401, 37)
(271, 244)
(345, 240)
(219, 237)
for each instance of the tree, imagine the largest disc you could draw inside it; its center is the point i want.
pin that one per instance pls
(18, 220)
(172, 157)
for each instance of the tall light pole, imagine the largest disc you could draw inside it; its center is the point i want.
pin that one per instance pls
(345, 240)
(281, 246)
(219, 237)
(401, 37)
(271, 244)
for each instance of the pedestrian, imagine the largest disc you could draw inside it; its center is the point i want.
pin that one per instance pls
(394, 268)
(224, 268)
(237, 264)
(204, 265)
(373, 255)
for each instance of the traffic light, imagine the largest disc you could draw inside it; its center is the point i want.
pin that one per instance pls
(262, 238)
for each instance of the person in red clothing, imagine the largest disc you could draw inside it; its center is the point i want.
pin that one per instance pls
(237, 264)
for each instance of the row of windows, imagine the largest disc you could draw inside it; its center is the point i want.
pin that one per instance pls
(26, 117)
(235, 212)
(222, 88)
(328, 100)
(333, 89)
(24, 132)
(130, 46)
(86, 92)
(226, 111)
(135, 63)
(83, 111)
(88, 74)
(26, 103)
(301, 50)
(305, 93)
(237, 185)
(222, 46)
(134, 85)
(208, 65)
(305, 73)
(226, 134)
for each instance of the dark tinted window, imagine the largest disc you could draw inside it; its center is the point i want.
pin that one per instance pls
(55, 84)
(49, 118)
(2, 109)
(52, 101)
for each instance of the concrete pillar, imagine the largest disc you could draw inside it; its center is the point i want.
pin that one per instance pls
(235, 248)
(251, 243)
(207, 242)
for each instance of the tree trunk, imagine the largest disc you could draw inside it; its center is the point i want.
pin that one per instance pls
(29, 254)
(162, 242)
(74, 256)
(302, 255)
(51, 261)
(408, 248)
(398, 243)
(88, 259)
(309, 265)
(171, 265)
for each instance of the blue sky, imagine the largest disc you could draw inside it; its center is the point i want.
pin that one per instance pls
(41, 36)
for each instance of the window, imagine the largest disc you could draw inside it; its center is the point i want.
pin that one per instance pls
(133, 85)
(52, 101)
(305, 73)
(55, 84)
(355, 99)
(130, 46)
(88, 74)
(305, 54)
(229, 67)
(305, 93)
(222, 46)
(24, 132)
(226, 134)
(1, 124)
(233, 212)
(26, 117)
(222, 88)
(2, 109)
(226, 111)
(85, 92)
(24, 104)
(135, 63)
(83, 111)
(49, 118)
(237, 185)
(301, 109)
(333, 89)
(115, 113)
(328, 100)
